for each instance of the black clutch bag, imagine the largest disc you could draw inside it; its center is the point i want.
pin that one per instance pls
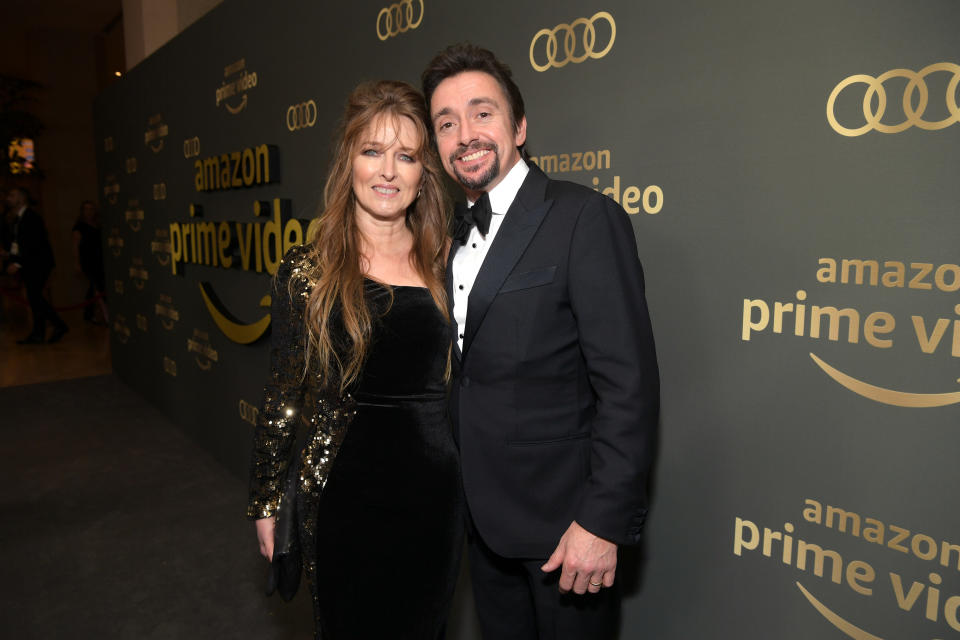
(287, 564)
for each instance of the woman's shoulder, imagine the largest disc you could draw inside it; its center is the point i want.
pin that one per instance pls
(297, 258)
(295, 272)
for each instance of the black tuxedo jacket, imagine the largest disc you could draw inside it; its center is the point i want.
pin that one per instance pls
(555, 396)
(35, 256)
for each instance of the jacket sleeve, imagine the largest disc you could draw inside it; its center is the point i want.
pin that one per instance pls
(283, 394)
(616, 340)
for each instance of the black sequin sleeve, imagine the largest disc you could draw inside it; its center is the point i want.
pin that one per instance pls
(283, 395)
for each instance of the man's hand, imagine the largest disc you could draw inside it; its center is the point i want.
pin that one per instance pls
(588, 562)
(12, 268)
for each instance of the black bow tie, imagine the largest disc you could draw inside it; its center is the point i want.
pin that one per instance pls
(478, 215)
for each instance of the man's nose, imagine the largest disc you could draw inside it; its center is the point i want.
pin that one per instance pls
(467, 133)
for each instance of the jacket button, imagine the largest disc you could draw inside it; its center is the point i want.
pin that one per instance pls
(464, 381)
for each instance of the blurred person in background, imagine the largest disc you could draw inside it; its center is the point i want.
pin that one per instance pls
(31, 258)
(88, 252)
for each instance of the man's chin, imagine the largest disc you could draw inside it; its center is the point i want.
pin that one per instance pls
(476, 181)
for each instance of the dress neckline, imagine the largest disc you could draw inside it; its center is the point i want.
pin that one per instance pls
(394, 286)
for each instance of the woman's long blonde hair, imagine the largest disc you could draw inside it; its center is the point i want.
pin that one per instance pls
(335, 253)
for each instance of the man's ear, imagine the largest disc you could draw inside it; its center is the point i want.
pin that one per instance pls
(520, 135)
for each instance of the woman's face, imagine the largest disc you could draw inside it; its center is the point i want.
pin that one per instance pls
(386, 175)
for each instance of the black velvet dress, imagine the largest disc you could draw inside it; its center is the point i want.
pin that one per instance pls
(382, 538)
(389, 524)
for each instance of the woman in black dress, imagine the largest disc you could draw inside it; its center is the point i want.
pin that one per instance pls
(360, 354)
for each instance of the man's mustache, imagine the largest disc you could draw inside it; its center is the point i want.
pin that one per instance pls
(476, 145)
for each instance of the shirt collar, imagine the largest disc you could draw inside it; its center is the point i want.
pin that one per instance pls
(502, 195)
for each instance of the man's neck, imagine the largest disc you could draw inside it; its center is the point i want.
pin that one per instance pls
(473, 196)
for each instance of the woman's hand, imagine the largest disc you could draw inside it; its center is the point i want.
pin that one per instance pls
(265, 527)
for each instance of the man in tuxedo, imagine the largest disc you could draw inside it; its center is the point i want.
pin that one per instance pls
(555, 394)
(31, 257)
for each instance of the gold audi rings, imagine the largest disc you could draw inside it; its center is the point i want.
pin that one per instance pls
(915, 83)
(391, 21)
(301, 116)
(552, 46)
(191, 147)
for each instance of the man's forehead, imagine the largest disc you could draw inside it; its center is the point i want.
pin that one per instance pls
(471, 87)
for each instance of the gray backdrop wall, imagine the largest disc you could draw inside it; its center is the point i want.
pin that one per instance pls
(792, 174)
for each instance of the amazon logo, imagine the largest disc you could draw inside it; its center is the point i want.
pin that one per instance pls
(204, 353)
(235, 329)
(237, 81)
(840, 562)
(154, 136)
(873, 328)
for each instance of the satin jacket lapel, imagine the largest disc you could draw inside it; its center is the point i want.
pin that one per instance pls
(449, 284)
(517, 230)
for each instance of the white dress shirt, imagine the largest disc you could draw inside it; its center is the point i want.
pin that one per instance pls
(469, 257)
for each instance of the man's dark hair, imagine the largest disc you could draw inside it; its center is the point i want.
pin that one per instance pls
(458, 58)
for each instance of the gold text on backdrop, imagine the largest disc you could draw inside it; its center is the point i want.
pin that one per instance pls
(121, 328)
(115, 242)
(167, 313)
(236, 80)
(199, 344)
(138, 274)
(861, 577)
(913, 114)
(551, 46)
(134, 215)
(160, 247)
(398, 18)
(301, 116)
(111, 188)
(155, 133)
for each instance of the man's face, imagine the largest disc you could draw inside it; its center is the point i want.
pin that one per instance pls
(15, 199)
(476, 138)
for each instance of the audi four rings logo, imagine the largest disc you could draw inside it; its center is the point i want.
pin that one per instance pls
(913, 114)
(301, 116)
(191, 147)
(398, 18)
(550, 48)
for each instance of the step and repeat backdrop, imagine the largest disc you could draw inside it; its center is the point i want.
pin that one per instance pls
(792, 172)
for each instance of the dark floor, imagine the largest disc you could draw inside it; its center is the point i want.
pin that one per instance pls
(116, 525)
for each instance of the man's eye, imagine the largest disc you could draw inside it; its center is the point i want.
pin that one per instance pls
(484, 114)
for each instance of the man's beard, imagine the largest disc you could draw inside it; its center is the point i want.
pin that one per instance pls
(476, 181)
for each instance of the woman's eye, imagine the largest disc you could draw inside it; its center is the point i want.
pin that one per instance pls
(407, 158)
(369, 152)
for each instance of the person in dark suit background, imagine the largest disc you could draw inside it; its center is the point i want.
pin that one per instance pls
(555, 390)
(31, 257)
